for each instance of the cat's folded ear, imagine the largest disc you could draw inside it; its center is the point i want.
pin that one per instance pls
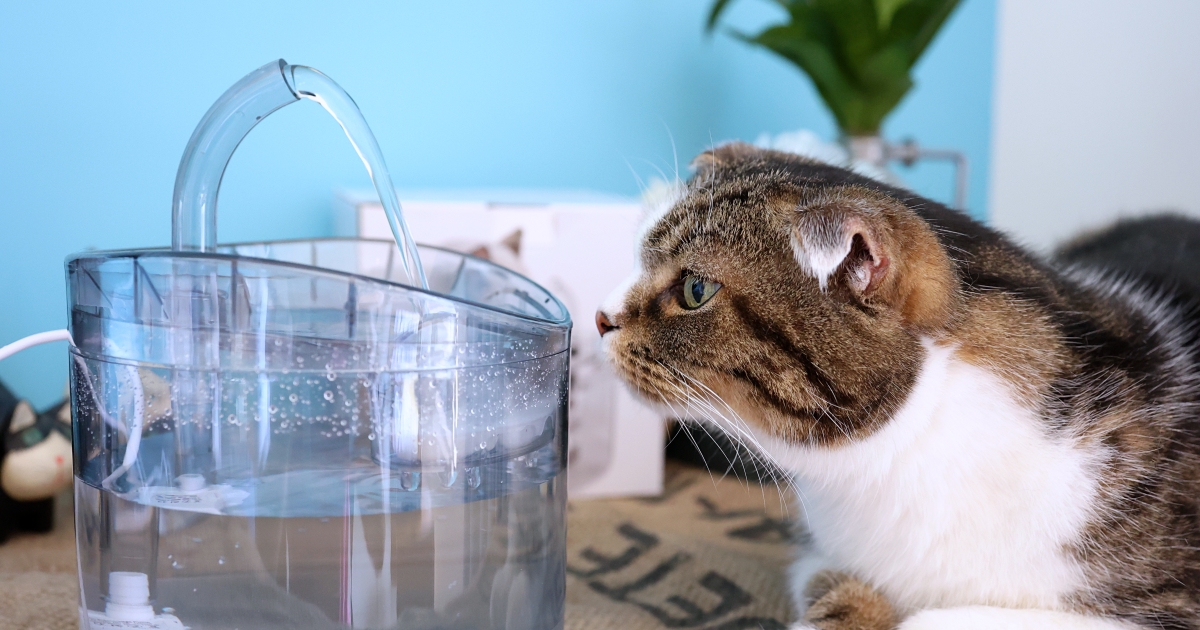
(721, 155)
(873, 249)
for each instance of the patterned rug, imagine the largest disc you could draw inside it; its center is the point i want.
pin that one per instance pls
(711, 553)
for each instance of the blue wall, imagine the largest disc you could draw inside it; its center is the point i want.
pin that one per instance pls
(526, 93)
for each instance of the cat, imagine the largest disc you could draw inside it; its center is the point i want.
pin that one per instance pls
(977, 437)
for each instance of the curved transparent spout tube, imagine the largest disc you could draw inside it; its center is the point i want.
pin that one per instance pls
(236, 112)
(240, 108)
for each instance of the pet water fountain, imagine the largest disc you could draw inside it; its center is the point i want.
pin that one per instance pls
(330, 433)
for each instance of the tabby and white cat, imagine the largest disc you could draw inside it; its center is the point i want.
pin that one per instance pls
(978, 438)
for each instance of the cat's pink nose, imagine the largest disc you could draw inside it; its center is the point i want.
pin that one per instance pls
(603, 324)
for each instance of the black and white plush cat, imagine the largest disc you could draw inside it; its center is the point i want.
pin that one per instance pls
(35, 463)
(978, 438)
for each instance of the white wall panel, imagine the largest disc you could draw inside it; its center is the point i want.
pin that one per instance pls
(1097, 114)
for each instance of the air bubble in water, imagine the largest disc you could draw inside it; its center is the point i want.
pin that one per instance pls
(221, 560)
(329, 395)
(292, 398)
(410, 480)
(473, 477)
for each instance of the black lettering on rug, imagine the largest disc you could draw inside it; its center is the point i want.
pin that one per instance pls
(676, 611)
(642, 541)
(732, 598)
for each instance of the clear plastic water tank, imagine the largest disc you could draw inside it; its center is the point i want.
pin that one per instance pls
(293, 435)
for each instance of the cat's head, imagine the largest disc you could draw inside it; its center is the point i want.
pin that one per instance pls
(796, 292)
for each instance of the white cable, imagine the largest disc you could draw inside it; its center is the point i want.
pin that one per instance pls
(51, 336)
(134, 431)
(38, 339)
(87, 381)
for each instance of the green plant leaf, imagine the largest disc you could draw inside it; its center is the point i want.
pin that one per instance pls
(858, 53)
(718, 7)
(811, 24)
(916, 23)
(885, 79)
(814, 58)
(884, 10)
(856, 26)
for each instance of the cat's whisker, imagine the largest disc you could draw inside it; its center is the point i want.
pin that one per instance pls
(739, 433)
(684, 427)
(641, 182)
(759, 455)
(674, 150)
(737, 430)
(692, 399)
(687, 432)
(757, 459)
(832, 419)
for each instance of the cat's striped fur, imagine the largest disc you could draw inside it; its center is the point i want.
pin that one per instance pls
(979, 438)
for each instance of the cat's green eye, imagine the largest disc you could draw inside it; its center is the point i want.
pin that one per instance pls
(697, 291)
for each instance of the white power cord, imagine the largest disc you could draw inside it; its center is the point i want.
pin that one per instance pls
(38, 339)
(135, 428)
(133, 432)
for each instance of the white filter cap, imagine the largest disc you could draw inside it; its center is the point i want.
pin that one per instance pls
(127, 587)
(129, 597)
(191, 482)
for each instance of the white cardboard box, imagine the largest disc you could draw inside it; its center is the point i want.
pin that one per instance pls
(580, 246)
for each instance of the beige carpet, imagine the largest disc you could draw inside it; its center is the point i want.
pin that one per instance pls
(709, 554)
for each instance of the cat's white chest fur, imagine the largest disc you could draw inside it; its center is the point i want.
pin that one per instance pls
(964, 498)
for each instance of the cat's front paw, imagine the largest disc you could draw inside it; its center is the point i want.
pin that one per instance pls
(841, 602)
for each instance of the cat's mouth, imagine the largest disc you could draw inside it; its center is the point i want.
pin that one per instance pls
(649, 377)
(680, 394)
(710, 395)
(662, 384)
